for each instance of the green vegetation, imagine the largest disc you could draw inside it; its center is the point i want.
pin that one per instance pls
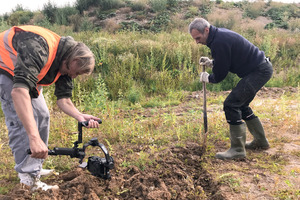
(147, 67)
(136, 60)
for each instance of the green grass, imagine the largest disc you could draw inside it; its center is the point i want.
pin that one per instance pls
(156, 128)
(140, 87)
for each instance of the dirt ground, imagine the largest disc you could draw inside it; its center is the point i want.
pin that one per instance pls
(179, 173)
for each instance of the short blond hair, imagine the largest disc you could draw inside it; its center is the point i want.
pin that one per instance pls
(83, 56)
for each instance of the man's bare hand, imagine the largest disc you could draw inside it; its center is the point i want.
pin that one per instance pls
(93, 124)
(92, 120)
(38, 148)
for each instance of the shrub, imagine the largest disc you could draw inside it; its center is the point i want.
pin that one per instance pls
(49, 10)
(270, 47)
(18, 7)
(225, 23)
(204, 6)
(172, 3)
(63, 14)
(111, 26)
(3, 25)
(281, 15)
(225, 20)
(158, 5)
(138, 5)
(134, 95)
(294, 24)
(83, 5)
(98, 97)
(254, 10)
(86, 24)
(192, 11)
(160, 22)
(20, 17)
(105, 14)
(131, 26)
(110, 4)
(76, 22)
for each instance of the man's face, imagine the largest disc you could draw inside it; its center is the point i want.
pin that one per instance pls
(199, 37)
(70, 70)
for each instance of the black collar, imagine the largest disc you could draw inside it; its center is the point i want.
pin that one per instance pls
(211, 36)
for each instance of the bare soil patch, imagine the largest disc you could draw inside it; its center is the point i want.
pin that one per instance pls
(177, 174)
(186, 171)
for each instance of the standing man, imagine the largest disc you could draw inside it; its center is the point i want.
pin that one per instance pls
(32, 57)
(233, 53)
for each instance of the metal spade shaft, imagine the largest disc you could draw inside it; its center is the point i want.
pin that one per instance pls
(204, 103)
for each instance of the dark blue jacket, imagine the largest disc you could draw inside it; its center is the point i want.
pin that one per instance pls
(231, 52)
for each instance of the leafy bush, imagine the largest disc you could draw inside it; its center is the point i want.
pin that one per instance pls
(40, 20)
(3, 25)
(138, 5)
(20, 17)
(158, 5)
(294, 24)
(111, 4)
(18, 7)
(50, 10)
(160, 22)
(63, 14)
(254, 9)
(172, 3)
(134, 95)
(86, 24)
(192, 12)
(205, 7)
(111, 26)
(83, 5)
(105, 14)
(229, 23)
(131, 26)
(98, 97)
(281, 15)
(76, 22)
(270, 47)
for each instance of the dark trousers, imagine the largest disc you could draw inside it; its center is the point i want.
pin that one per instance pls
(236, 105)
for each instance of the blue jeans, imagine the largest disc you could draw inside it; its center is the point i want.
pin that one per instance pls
(236, 105)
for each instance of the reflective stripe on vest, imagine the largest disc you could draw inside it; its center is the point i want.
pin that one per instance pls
(8, 55)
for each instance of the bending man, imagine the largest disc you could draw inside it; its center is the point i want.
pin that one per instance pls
(32, 57)
(233, 53)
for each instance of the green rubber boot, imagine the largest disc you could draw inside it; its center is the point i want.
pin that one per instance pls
(256, 129)
(238, 139)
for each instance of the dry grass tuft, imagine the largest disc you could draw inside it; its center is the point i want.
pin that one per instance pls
(111, 26)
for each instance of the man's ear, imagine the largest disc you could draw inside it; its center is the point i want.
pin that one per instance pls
(206, 29)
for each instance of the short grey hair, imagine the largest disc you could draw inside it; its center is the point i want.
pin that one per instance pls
(199, 24)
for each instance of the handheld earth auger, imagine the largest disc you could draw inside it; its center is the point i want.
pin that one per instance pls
(96, 165)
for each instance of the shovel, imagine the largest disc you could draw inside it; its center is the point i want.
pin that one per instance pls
(204, 107)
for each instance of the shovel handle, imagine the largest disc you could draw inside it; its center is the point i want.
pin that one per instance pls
(204, 103)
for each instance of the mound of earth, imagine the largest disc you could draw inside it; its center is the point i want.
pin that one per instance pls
(176, 174)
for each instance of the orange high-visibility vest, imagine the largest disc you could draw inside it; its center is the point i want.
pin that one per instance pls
(8, 55)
